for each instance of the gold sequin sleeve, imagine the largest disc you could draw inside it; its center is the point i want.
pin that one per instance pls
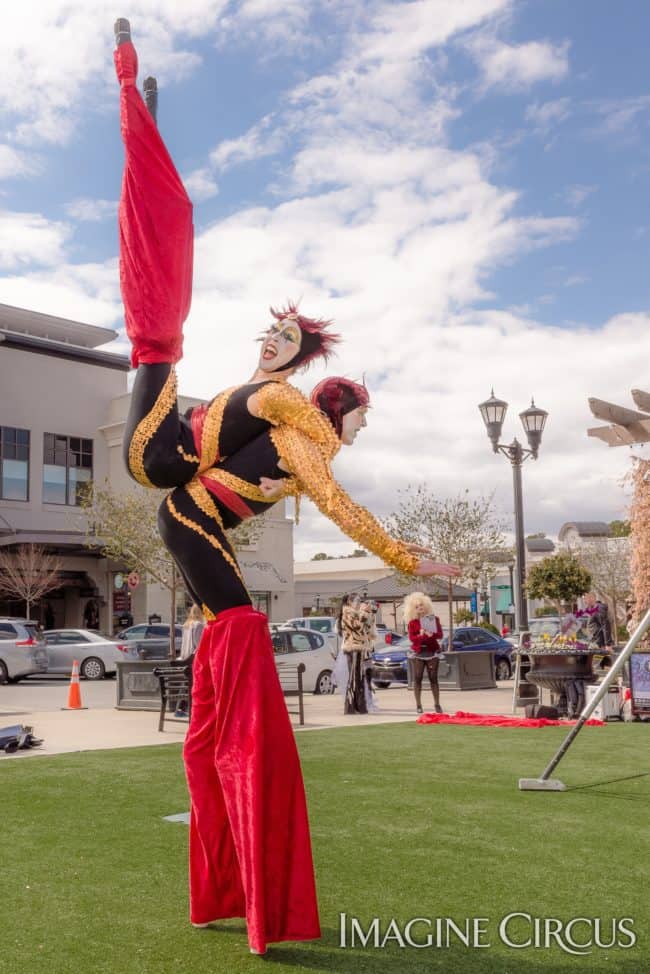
(282, 404)
(309, 464)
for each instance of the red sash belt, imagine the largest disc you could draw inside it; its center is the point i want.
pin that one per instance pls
(197, 419)
(228, 497)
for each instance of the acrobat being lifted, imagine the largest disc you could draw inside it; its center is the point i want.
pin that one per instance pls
(250, 852)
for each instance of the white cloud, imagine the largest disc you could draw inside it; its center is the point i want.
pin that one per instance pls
(574, 280)
(547, 115)
(620, 116)
(28, 238)
(91, 211)
(81, 292)
(200, 184)
(15, 164)
(515, 67)
(578, 193)
(55, 57)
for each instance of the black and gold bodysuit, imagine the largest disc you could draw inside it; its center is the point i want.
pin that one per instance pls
(214, 458)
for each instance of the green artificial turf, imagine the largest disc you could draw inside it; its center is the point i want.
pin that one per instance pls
(407, 821)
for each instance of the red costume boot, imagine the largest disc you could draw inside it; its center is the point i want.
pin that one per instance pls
(156, 232)
(250, 851)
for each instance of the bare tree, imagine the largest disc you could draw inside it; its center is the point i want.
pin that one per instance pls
(461, 530)
(28, 574)
(125, 526)
(640, 520)
(608, 562)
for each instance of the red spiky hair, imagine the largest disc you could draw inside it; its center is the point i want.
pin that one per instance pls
(316, 342)
(337, 396)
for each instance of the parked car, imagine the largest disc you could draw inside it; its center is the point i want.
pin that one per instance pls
(324, 625)
(310, 648)
(389, 665)
(97, 655)
(476, 638)
(22, 649)
(159, 631)
(387, 637)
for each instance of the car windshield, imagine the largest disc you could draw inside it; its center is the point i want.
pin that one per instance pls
(321, 625)
(34, 630)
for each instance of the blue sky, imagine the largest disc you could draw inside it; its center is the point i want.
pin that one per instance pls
(463, 186)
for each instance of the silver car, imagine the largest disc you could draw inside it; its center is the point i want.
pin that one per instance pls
(22, 649)
(97, 656)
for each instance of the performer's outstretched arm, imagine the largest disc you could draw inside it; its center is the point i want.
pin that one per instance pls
(303, 458)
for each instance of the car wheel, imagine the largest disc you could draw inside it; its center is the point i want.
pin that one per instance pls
(502, 669)
(4, 673)
(381, 684)
(324, 682)
(93, 668)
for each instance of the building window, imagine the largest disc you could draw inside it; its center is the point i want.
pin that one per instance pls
(261, 601)
(67, 468)
(14, 464)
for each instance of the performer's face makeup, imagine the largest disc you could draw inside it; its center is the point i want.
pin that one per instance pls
(280, 345)
(352, 423)
(420, 609)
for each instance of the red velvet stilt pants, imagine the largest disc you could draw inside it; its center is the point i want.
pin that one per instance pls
(250, 851)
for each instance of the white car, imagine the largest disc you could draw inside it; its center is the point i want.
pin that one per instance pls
(310, 648)
(324, 625)
(97, 656)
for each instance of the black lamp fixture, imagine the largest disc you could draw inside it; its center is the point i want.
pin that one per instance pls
(494, 411)
(533, 419)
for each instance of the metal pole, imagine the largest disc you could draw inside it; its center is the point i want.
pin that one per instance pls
(516, 459)
(526, 784)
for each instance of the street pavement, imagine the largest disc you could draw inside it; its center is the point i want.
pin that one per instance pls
(38, 702)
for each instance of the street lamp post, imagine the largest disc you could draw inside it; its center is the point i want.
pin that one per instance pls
(493, 411)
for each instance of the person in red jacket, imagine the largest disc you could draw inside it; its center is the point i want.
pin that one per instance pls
(424, 631)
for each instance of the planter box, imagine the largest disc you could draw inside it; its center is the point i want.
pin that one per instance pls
(137, 688)
(465, 670)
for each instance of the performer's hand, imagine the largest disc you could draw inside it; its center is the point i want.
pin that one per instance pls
(416, 549)
(427, 567)
(271, 488)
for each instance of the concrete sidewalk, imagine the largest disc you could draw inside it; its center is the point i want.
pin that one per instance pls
(103, 728)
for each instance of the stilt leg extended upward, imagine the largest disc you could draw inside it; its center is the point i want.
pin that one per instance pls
(250, 852)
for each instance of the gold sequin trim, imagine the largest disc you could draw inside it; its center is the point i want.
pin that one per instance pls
(212, 429)
(188, 457)
(210, 538)
(149, 426)
(203, 501)
(310, 465)
(241, 487)
(281, 404)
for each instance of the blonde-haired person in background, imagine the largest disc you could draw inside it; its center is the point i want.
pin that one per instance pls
(192, 631)
(424, 630)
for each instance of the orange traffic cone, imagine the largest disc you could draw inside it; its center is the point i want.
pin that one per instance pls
(74, 694)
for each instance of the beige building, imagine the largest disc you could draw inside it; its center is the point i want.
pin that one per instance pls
(64, 405)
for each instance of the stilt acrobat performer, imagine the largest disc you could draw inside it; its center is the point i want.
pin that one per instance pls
(250, 851)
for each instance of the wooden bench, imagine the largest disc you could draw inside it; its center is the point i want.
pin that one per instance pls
(175, 680)
(291, 683)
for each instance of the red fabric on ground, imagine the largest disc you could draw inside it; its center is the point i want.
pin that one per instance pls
(497, 720)
(156, 232)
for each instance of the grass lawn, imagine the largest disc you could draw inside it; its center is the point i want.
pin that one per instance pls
(407, 821)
